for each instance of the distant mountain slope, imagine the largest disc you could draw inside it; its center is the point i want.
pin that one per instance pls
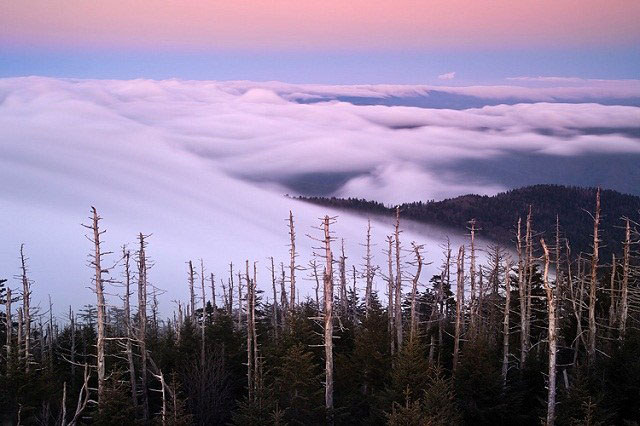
(497, 215)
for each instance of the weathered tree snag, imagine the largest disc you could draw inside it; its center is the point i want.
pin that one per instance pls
(472, 279)
(391, 286)
(96, 262)
(414, 291)
(192, 293)
(368, 270)
(292, 265)
(459, 307)
(26, 310)
(203, 325)
(612, 298)
(593, 284)
(314, 268)
(214, 305)
(284, 301)
(343, 282)
(624, 290)
(9, 323)
(126, 256)
(239, 301)
(552, 336)
(328, 321)
(230, 308)
(142, 321)
(398, 298)
(274, 318)
(250, 382)
(505, 324)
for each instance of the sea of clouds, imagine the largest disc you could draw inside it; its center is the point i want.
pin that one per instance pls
(203, 166)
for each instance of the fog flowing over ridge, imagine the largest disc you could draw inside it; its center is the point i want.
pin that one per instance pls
(203, 166)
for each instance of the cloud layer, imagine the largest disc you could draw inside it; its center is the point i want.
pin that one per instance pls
(203, 165)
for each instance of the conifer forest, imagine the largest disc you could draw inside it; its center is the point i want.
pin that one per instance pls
(527, 333)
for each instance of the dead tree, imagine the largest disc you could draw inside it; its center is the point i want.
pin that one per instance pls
(20, 332)
(369, 273)
(398, 298)
(230, 305)
(83, 401)
(624, 290)
(250, 367)
(274, 307)
(522, 293)
(192, 293)
(414, 291)
(99, 281)
(593, 284)
(314, 270)
(391, 286)
(284, 301)
(292, 265)
(459, 307)
(239, 301)
(552, 337)
(505, 324)
(612, 298)
(214, 305)
(26, 309)
(126, 255)
(8, 322)
(328, 320)
(203, 325)
(343, 282)
(142, 320)
(473, 311)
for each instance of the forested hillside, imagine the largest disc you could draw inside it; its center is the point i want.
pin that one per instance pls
(495, 340)
(497, 215)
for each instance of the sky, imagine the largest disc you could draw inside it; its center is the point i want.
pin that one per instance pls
(333, 41)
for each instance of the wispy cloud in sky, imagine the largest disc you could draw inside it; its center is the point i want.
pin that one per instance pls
(447, 76)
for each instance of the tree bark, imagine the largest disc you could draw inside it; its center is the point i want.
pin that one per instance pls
(142, 321)
(594, 282)
(459, 307)
(26, 309)
(126, 255)
(398, 301)
(624, 290)
(414, 291)
(552, 336)
(328, 322)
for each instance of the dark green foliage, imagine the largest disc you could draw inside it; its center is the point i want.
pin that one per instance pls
(497, 215)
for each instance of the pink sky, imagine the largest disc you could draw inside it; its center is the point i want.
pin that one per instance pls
(318, 24)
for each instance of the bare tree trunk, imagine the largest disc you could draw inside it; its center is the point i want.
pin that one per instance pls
(343, 282)
(284, 301)
(505, 324)
(26, 310)
(292, 266)
(214, 305)
(459, 307)
(328, 322)
(368, 271)
(446, 279)
(472, 276)
(192, 293)
(142, 321)
(254, 334)
(9, 323)
(231, 289)
(414, 291)
(316, 276)
(522, 293)
(390, 306)
(612, 298)
(553, 338)
(528, 282)
(594, 282)
(203, 325)
(250, 383)
(126, 255)
(20, 333)
(98, 281)
(398, 301)
(240, 301)
(274, 319)
(624, 290)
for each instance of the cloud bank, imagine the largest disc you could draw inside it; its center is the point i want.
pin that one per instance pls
(203, 165)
